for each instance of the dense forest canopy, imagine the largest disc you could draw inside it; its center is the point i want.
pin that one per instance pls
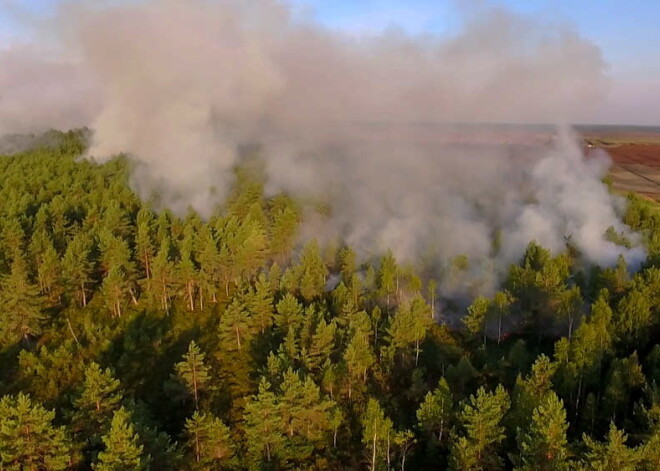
(132, 338)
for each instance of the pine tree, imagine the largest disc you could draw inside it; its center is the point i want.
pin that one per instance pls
(192, 372)
(405, 440)
(21, 306)
(502, 307)
(481, 418)
(388, 278)
(209, 265)
(144, 246)
(543, 445)
(115, 287)
(288, 312)
(99, 397)
(313, 272)
(475, 321)
(347, 264)
(162, 276)
(359, 357)
(48, 268)
(322, 345)
(263, 426)
(376, 433)
(28, 439)
(236, 326)
(409, 326)
(260, 303)
(435, 412)
(77, 266)
(210, 442)
(122, 448)
(613, 454)
(307, 418)
(186, 275)
(284, 228)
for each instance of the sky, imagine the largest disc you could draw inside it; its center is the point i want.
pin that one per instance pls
(625, 30)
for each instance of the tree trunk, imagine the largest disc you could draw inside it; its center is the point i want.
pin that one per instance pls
(389, 467)
(373, 453)
(147, 267)
(84, 296)
(194, 373)
(197, 446)
(191, 295)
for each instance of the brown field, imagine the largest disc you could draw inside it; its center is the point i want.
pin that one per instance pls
(636, 168)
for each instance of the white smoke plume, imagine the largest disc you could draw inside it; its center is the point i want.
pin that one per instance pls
(367, 121)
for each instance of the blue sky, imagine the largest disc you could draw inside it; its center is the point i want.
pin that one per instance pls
(627, 32)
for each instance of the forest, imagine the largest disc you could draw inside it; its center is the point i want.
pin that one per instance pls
(132, 338)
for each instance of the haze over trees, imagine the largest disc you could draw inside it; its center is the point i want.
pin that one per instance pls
(132, 338)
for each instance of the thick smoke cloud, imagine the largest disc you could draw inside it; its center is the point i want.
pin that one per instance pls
(368, 122)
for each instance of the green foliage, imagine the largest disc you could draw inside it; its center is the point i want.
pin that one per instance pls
(302, 355)
(28, 439)
(209, 442)
(99, 398)
(435, 413)
(122, 449)
(481, 418)
(543, 444)
(192, 372)
(613, 453)
(377, 434)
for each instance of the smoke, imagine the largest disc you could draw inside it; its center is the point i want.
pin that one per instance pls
(368, 122)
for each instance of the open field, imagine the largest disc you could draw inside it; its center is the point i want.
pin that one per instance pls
(635, 158)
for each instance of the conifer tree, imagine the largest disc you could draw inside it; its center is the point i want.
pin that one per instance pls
(122, 446)
(99, 397)
(236, 326)
(28, 439)
(162, 269)
(144, 246)
(307, 418)
(613, 453)
(313, 272)
(435, 412)
(263, 426)
(543, 444)
(192, 372)
(284, 228)
(21, 305)
(288, 312)
(260, 303)
(475, 321)
(359, 357)
(388, 276)
(77, 266)
(501, 306)
(409, 326)
(481, 418)
(210, 442)
(322, 345)
(114, 289)
(186, 274)
(376, 434)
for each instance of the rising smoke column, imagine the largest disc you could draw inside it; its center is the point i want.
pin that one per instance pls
(181, 85)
